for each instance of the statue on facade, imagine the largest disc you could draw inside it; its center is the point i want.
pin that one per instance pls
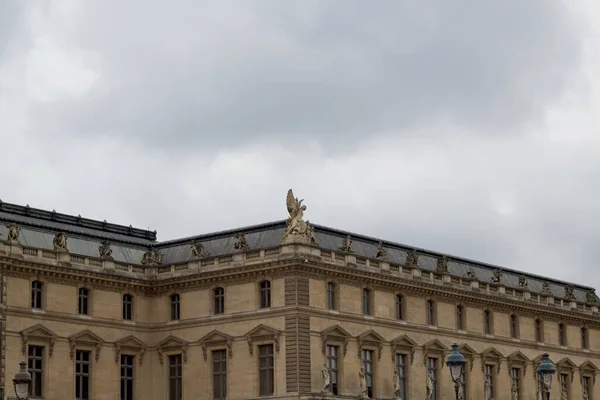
(461, 393)
(197, 250)
(14, 231)
(471, 274)
(60, 242)
(397, 387)
(240, 242)
(514, 391)
(152, 257)
(362, 379)
(496, 276)
(104, 250)
(564, 394)
(523, 282)
(297, 230)
(326, 374)
(546, 288)
(442, 265)
(586, 396)
(347, 245)
(381, 252)
(569, 292)
(488, 389)
(429, 387)
(412, 258)
(590, 297)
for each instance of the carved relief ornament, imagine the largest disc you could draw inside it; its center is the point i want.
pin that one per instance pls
(172, 344)
(370, 338)
(38, 333)
(491, 355)
(104, 250)
(335, 335)
(442, 265)
(60, 242)
(403, 344)
(346, 245)
(216, 339)
(469, 354)
(569, 292)
(434, 348)
(241, 244)
(412, 258)
(262, 333)
(87, 339)
(517, 359)
(14, 231)
(130, 344)
(590, 297)
(381, 252)
(566, 366)
(152, 257)
(197, 250)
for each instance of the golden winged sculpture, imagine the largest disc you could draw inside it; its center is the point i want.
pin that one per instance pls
(297, 229)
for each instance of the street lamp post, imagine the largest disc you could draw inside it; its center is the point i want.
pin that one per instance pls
(545, 371)
(456, 365)
(22, 381)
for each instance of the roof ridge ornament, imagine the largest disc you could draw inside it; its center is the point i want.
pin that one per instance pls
(297, 230)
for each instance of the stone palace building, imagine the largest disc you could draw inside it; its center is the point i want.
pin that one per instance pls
(283, 310)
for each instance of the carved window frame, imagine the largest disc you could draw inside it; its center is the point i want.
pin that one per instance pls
(172, 345)
(517, 326)
(336, 295)
(406, 346)
(491, 356)
(136, 348)
(435, 349)
(490, 314)
(541, 332)
(566, 366)
(590, 370)
(370, 340)
(460, 320)
(44, 337)
(565, 336)
(259, 292)
(469, 354)
(402, 307)
(216, 340)
(90, 302)
(335, 336)
(179, 302)
(213, 298)
(44, 294)
(434, 310)
(79, 341)
(254, 338)
(517, 360)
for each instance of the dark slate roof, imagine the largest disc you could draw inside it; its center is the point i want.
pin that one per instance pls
(129, 244)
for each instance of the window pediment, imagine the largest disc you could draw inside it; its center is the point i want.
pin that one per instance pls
(172, 343)
(518, 359)
(38, 333)
(437, 348)
(469, 354)
(403, 343)
(85, 338)
(214, 339)
(370, 338)
(262, 333)
(130, 344)
(588, 368)
(335, 334)
(491, 355)
(566, 366)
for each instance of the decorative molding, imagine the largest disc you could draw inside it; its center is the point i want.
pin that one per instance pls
(517, 358)
(403, 344)
(130, 344)
(38, 333)
(172, 344)
(370, 338)
(491, 355)
(335, 334)
(565, 365)
(588, 368)
(216, 339)
(85, 338)
(435, 348)
(469, 354)
(262, 333)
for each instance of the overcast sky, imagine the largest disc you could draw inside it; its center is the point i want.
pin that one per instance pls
(468, 127)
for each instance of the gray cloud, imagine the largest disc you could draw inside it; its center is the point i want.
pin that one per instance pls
(213, 74)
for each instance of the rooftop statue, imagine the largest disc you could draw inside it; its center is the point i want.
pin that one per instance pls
(297, 230)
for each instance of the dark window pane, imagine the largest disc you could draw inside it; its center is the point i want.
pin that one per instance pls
(35, 359)
(266, 370)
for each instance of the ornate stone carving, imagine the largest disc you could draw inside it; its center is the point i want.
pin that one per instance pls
(326, 375)
(60, 242)
(38, 333)
(14, 231)
(546, 288)
(397, 385)
(297, 230)
(362, 380)
(216, 339)
(412, 258)
(569, 292)
(347, 245)
(152, 257)
(381, 252)
(471, 274)
(429, 387)
(442, 265)
(86, 339)
(130, 344)
(197, 250)
(104, 250)
(590, 297)
(335, 334)
(523, 283)
(370, 338)
(403, 344)
(240, 242)
(172, 344)
(262, 333)
(496, 276)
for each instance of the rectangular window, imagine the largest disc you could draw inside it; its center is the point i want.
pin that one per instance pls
(584, 339)
(265, 294)
(84, 295)
(564, 385)
(513, 326)
(366, 302)
(538, 331)
(401, 370)
(35, 366)
(432, 371)
(367, 358)
(489, 377)
(266, 368)
(37, 288)
(460, 318)
(399, 308)
(127, 377)
(561, 335)
(430, 313)
(175, 307)
(219, 374)
(515, 375)
(127, 307)
(487, 322)
(82, 375)
(219, 294)
(586, 387)
(175, 377)
(331, 295)
(332, 364)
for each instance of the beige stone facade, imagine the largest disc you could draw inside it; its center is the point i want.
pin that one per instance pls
(233, 316)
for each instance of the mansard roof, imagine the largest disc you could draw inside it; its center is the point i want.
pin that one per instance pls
(129, 245)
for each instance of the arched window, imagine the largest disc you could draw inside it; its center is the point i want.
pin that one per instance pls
(219, 300)
(175, 307)
(127, 307)
(265, 294)
(84, 298)
(37, 291)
